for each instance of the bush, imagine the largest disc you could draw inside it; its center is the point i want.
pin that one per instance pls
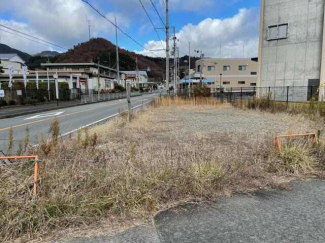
(12, 102)
(119, 88)
(199, 91)
(297, 159)
(3, 103)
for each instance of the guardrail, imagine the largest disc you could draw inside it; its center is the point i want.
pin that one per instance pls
(91, 98)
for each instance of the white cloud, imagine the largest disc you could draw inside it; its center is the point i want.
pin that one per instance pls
(64, 22)
(233, 34)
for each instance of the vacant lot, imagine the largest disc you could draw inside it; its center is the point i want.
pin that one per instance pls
(172, 152)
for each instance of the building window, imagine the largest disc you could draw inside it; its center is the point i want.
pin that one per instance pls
(253, 84)
(199, 68)
(283, 31)
(107, 84)
(242, 68)
(241, 82)
(276, 32)
(253, 73)
(226, 68)
(211, 68)
(225, 82)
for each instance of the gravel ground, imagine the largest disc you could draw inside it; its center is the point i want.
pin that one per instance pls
(208, 120)
(184, 122)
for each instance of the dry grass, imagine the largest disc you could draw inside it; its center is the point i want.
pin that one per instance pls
(174, 151)
(313, 109)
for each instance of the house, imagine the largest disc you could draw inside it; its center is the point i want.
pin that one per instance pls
(136, 78)
(91, 76)
(7, 60)
(225, 73)
(292, 47)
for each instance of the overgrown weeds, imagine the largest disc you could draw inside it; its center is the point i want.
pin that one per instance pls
(182, 101)
(132, 169)
(312, 109)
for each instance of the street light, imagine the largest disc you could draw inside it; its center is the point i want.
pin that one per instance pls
(201, 68)
(215, 83)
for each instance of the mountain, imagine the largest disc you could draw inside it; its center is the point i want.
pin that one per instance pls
(4, 49)
(105, 51)
(48, 54)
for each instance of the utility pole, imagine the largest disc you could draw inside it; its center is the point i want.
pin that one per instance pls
(137, 69)
(128, 93)
(178, 73)
(89, 29)
(201, 66)
(175, 61)
(98, 77)
(167, 46)
(117, 56)
(189, 68)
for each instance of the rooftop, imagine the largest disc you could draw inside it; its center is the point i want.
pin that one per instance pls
(7, 56)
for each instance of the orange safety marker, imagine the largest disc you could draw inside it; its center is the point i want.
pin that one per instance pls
(313, 139)
(36, 168)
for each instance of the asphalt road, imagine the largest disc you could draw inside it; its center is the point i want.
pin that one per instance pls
(275, 216)
(70, 119)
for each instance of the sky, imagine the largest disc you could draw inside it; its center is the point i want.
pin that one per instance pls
(218, 28)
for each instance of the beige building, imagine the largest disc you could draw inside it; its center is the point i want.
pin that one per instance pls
(227, 73)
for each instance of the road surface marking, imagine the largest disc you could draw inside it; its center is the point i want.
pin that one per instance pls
(45, 115)
(47, 119)
(94, 123)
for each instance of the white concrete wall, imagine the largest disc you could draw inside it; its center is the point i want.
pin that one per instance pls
(295, 60)
(17, 66)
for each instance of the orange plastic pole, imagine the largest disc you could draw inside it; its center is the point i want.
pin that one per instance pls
(36, 168)
(36, 173)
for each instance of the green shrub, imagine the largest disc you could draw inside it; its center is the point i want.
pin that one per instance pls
(199, 91)
(3, 103)
(297, 159)
(12, 102)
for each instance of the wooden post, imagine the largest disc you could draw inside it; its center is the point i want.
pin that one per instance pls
(128, 92)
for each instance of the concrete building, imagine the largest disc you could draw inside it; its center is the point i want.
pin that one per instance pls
(7, 60)
(135, 78)
(87, 73)
(227, 73)
(291, 44)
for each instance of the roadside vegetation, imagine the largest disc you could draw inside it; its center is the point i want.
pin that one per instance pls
(177, 150)
(312, 109)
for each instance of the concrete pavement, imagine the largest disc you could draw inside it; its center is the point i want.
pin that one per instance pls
(70, 119)
(274, 216)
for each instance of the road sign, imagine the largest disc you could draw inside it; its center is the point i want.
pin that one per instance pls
(2, 93)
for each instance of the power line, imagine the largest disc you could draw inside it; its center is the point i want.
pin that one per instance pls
(154, 27)
(154, 6)
(34, 37)
(24, 37)
(124, 33)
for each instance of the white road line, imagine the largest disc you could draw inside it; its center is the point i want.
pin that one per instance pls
(44, 115)
(96, 122)
(101, 120)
